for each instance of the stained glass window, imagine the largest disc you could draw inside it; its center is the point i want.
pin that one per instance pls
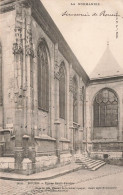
(43, 77)
(106, 109)
(62, 91)
(75, 100)
(96, 114)
(83, 109)
(0, 75)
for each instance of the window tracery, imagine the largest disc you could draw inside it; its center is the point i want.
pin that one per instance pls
(43, 77)
(62, 91)
(75, 100)
(0, 74)
(106, 109)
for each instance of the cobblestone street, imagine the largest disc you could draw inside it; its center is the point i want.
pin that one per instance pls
(107, 180)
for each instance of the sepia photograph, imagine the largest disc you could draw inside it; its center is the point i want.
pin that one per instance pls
(61, 97)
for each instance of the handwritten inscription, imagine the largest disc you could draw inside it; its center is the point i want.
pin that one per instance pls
(103, 13)
(86, 4)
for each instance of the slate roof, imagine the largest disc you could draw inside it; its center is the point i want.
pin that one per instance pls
(107, 66)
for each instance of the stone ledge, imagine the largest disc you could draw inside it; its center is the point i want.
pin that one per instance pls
(64, 140)
(106, 141)
(5, 130)
(48, 153)
(13, 137)
(102, 141)
(24, 137)
(45, 137)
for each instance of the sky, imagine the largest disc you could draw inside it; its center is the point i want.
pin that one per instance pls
(88, 35)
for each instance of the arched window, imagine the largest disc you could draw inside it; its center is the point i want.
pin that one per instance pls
(0, 75)
(62, 91)
(75, 100)
(83, 106)
(106, 109)
(43, 77)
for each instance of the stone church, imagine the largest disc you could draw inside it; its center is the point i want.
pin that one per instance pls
(49, 108)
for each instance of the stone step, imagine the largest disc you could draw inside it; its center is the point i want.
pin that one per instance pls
(94, 164)
(91, 161)
(98, 166)
(88, 160)
(90, 164)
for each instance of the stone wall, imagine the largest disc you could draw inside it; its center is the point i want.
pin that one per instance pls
(44, 122)
(7, 23)
(32, 132)
(106, 133)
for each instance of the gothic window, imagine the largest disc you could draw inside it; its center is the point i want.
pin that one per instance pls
(62, 91)
(83, 110)
(75, 100)
(0, 75)
(43, 77)
(106, 109)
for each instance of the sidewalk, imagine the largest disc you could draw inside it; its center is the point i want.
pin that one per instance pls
(49, 174)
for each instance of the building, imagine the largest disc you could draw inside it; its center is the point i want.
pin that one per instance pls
(104, 114)
(47, 101)
(43, 87)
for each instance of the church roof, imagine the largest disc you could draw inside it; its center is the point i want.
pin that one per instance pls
(107, 66)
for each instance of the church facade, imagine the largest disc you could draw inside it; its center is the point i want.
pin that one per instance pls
(49, 108)
(104, 115)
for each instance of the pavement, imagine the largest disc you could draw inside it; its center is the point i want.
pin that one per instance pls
(45, 175)
(107, 180)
